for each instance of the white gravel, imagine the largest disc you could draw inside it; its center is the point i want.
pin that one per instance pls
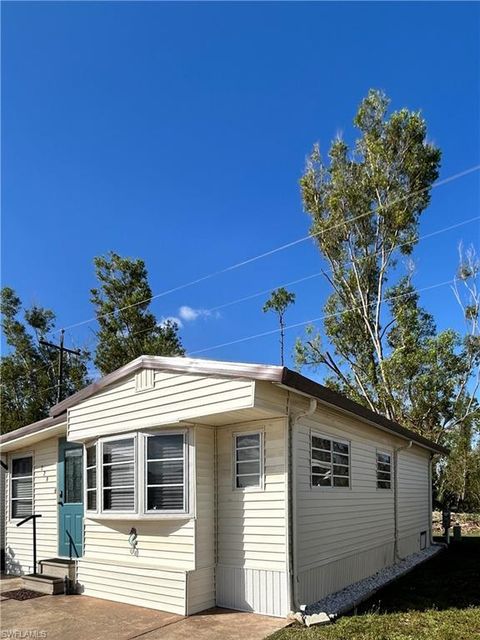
(348, 598)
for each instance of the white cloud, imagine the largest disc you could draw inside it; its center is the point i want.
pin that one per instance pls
(189, 314)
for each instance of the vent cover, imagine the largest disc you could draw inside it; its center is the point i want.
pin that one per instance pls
(144, 379)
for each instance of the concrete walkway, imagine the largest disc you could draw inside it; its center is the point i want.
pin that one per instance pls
(86, 618)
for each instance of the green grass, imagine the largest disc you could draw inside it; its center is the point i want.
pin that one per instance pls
(440, 600)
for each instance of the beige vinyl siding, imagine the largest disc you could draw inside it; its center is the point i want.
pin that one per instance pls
(413, 499)
(201, 581)
(18, 540)
(346, 534)
(161, 543)
(144, 586)
(200, 590)
(252, 523)
(174, 397)
(3, 504)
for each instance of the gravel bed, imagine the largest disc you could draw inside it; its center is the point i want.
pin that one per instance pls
(345, 600)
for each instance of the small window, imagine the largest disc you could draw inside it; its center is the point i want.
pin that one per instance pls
(384, 470)
(330, 462)
(165, 482)
(91, 467)
(248, 460)
(22, 487)
(118, 468)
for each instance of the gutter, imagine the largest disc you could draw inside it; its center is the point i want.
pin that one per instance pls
(396, 557)
(292, 502)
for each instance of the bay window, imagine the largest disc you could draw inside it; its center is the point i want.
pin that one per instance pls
(142, 473)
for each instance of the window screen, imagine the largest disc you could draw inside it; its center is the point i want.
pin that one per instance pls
(248, 456)
(330, 462)
(22, 487)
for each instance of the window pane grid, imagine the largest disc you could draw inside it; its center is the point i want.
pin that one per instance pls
(248, 458)
(384, 471)
(330, 463)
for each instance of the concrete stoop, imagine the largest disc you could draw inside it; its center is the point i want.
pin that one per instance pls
(58, 567)
(51, 585)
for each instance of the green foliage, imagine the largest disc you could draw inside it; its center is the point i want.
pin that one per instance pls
(29, 371)
(127, 329)
(279, 301)
(365, 204)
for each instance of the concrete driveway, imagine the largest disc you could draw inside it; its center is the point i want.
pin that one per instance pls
(86, 618)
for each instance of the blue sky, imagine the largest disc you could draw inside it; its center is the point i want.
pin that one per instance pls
(177, 132)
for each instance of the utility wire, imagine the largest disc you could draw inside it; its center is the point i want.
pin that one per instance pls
(277, 249)
(320, 273)
(324, 317)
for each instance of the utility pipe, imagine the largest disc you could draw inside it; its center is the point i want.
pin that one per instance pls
(396, 451)
(293, 418)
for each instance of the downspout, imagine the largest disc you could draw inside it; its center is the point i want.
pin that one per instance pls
(396, 557)
(292, 506)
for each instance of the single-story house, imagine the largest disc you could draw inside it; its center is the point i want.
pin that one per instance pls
(180, 484)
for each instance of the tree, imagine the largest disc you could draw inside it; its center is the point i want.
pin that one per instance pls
(279, 301)
(382, 349)
(29, 372)
(127, 329)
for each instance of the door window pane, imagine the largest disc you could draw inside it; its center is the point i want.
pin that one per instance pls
(73, 475)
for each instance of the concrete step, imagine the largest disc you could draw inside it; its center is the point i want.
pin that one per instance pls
(58, 567)
(51, 585)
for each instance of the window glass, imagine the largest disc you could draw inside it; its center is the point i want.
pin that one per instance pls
(119, 475)
(248, 460)
(22, 487)
(73, 475)
(330, 462)
(92, 478)
(384, 471)
(165, 472)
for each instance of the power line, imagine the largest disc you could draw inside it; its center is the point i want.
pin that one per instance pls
(324, 317)
(276, 250)
(320, 273)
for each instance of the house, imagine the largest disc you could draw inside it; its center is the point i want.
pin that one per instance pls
(180, 484)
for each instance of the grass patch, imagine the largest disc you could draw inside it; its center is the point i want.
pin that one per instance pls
(440, 600)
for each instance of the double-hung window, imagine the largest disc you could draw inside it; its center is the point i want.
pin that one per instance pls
(165, 472)
(118, 475)
(384, 470)
(248, 460)
(22, 487)
(330, 462)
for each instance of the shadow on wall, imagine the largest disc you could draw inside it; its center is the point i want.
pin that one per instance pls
(12, 565)
(447, 581)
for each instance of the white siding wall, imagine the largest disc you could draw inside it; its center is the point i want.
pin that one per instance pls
(174, 397)
(345, 535)
(18, 540)
(2, 510)
(201, 581)
(252, 526)
(413, 499)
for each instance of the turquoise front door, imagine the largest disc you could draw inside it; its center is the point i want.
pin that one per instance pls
(70, 499)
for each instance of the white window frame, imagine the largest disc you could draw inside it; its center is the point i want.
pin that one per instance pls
(144, 464)
(86, 468)
(377, 470)
(261, 480)
(332, 439)
(101, 442)
(16, 456)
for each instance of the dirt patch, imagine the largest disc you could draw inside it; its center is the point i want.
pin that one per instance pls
(21, 594)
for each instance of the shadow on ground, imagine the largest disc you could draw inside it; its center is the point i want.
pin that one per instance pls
(450, 580)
